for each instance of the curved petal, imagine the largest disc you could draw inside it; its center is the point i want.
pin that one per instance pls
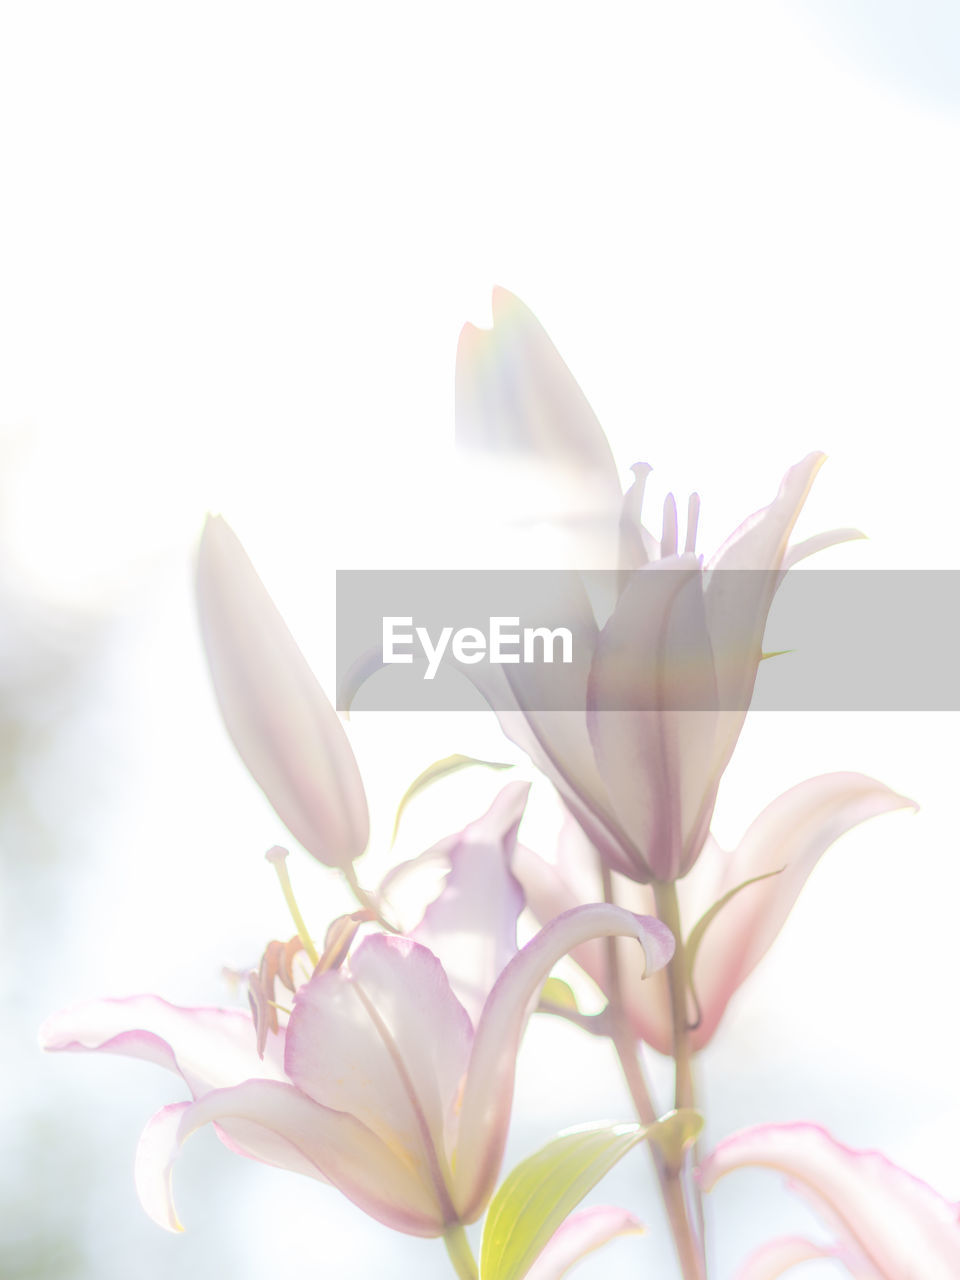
(819, 542)
(558, 741)
(287, 733)
(760, 542)
(773, 1259)
(210, 1048)
(549, 891)
(741, 581)
(488, 1091)
(789, 836)
(519, 408)
(898, 1223)
(652, 716)
(579, 1235)
(335, 1145)
(472, 926)
(385, 1039)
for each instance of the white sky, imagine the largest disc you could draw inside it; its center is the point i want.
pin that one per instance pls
(237, 243)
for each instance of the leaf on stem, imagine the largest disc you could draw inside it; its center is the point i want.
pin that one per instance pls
(541, 1191)
(699, 929)
(433, 773)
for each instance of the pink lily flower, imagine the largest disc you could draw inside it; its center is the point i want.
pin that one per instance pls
(284, 728)
(666, 681)
(381, 1082)
(888, 1224)
(783, 845)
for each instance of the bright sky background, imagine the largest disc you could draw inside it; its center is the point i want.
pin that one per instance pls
(237, 244)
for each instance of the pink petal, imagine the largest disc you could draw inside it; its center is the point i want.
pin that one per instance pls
(760, 542)
(579, 1235)
(518, 405)
(791, 833)
(210, 1048)
(488, 1092)
(558, 742)
(819, 542)
(472, 925)
(737, 603)
(898, 1223)
(330, 1144)
(773, 1259)
(550, 890)
(652, 716)
(287, 733)
(385, 1039)
(559, 745)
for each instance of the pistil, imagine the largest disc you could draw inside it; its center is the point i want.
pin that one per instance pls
(278, 856)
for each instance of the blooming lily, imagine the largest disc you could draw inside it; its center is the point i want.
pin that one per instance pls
(667, 679)
(381, 1082)
(888, 1224)
(778, 852)
(287, 733)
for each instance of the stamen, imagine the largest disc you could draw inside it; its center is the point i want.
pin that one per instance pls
(693, 519)
(278, 856)
(264, 1017)
(285, 961)
(339, 937)
(668, 540)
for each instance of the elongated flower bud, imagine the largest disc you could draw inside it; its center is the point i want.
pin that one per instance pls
(287, 733)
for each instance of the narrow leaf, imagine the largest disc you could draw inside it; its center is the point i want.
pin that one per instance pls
(700, 928)
(433, 773)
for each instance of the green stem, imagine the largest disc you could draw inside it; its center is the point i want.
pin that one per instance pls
(461, 1255)
(689, 1254)
(668, 909)
(692, 1257)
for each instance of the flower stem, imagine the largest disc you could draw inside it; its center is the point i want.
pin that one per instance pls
(683, 1193)
(689, 1253)
(461, 1255)
(668, 909)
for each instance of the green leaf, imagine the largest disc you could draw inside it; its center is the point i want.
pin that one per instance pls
(540, 1192)
(776, 653)
(559, 994)
(700, 928)
(433, 773)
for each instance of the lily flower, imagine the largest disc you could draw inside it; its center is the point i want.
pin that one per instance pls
(284, 728)
(757, 883)
(888, 1224)
(667, 679)
(381, 1081)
